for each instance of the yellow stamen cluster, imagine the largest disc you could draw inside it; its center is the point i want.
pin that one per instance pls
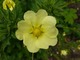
(37, 32)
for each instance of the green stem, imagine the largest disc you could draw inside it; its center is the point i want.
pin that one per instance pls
(32, 56)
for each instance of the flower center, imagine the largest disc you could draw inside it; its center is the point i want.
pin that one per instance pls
(37, 32)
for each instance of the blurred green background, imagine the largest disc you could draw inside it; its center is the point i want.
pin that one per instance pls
(67, 13)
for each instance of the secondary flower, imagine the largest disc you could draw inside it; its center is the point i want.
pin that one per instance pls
(64, 34)
(37, 30)
(78, 47)
(64, 52)
(8, 3)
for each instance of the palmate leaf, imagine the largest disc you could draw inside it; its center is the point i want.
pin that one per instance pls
(69, 15)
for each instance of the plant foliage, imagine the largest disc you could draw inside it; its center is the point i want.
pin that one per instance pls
(13, 49)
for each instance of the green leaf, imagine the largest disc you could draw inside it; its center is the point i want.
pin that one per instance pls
(69, 15)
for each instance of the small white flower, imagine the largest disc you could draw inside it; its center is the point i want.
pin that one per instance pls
(37, 30)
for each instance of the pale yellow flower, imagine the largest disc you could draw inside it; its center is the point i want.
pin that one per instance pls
(37, 30)
(78, 47)
(64, 34)
(8, 3)
(64, 52)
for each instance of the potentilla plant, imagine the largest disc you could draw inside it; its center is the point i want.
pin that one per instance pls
(37, 30)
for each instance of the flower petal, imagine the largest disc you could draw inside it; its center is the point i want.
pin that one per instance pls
(32, 48)
(42, 42)
(49, 21)
(51, 32)
(24, 26)
(41, 14)
(53, 41)
(4, 5)
(29, 42)
(11, 4)
(30, 17)
(19, 34)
